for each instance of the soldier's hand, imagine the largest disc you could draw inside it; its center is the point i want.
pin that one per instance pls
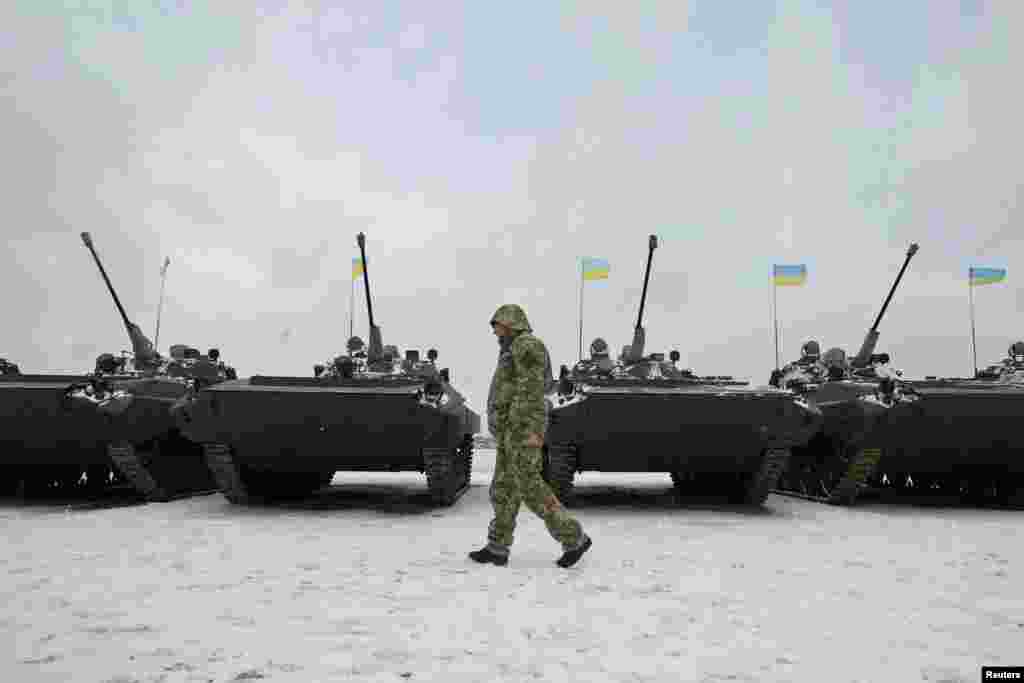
(534, 441)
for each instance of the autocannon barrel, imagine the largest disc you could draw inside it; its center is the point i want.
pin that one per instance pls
(863, 357)
(87, 239)
(636, 350)
(376, 347)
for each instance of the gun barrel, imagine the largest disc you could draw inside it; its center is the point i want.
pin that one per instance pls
(651, 246)
(910, 254)
(375, 349)
(361, 239)
(87, 239)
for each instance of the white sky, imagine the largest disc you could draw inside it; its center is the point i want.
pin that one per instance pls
(483, 154)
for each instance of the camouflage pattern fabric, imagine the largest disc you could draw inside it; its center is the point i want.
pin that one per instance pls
(504, 356)
(519, 409)
(517, 479)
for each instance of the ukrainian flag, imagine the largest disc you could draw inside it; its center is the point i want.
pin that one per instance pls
(595, 269)
(357, 267)
(986, 276)
(789, 275)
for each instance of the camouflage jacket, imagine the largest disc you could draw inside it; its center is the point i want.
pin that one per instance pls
(516, 398)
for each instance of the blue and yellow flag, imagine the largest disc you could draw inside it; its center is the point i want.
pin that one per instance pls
(789, 275)
(985, 276)
(357, 267)
(595, 269)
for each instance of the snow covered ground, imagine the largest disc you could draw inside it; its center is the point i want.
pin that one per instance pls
(371, 584)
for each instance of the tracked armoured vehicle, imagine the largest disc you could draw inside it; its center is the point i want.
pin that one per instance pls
(136, 396)
(857, 400)
(269, 437)
(716, 436)
(46, 444)
(961, 439)
(114, 425)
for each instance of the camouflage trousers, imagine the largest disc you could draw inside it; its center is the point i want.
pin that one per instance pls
(517, 479)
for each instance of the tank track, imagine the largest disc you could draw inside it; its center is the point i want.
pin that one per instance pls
(759, 484)
(130, 462)
(45, 483)
(465, 461)
(818, 483)
(948, 489)
(447, 473)
(1016, 499)
(680, 481)
(225, 472)
(750, 488)
(560, 470)
(157, 475)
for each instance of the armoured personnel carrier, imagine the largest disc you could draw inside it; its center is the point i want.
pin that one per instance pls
(642, 413)
(114, 425)
(271, 437)
(961, 439)
(856, 398)
(46, 445)
(136, 395)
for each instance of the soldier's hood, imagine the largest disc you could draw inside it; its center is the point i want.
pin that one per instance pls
(513, 317)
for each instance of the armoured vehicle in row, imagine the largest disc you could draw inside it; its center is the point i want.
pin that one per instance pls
(856, 398)
(961, 439)
(115, 425)
(269, 437)
(46, 446)
(136, 395)
(714, 435)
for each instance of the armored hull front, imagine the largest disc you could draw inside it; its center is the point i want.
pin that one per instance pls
(713, 438)
(47, 440)
(960, 438)
(269, 437)
(145, 443)
(842, 457)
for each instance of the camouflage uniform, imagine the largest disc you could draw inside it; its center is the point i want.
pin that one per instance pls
(516, 409)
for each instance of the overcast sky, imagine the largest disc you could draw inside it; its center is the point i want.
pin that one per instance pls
(484, 150)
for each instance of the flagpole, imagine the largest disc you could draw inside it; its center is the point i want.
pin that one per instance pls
(351, 306)
(160, 306)
(974, 344)
(775, 318)
(581, 311)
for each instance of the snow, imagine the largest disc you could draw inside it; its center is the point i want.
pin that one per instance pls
(372, 584)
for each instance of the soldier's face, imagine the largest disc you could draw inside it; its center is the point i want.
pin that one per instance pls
(500, 330)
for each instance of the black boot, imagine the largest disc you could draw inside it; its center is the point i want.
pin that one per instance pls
(571, 557)
(485, 555)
